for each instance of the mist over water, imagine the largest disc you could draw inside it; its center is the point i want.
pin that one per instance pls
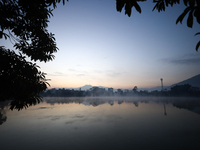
(103, 123)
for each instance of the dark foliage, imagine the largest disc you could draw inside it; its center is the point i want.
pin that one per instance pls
(185, 90)
(192, 9)
(20, 80)
(128, 4)
(25, 24)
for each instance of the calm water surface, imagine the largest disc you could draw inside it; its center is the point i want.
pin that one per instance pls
(103, 124)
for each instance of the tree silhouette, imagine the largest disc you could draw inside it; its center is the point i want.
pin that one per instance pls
(181, 90)
(25, 23)
(135, 89)
(20, 80)
(192, 8)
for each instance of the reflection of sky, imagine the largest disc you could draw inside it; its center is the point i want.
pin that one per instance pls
(100, 46)
(120, 126)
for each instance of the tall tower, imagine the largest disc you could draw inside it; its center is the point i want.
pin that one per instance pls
(161, 79)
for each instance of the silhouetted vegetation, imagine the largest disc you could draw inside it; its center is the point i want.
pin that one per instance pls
(20, 77)
(192, 9)
(185, 90)
(25, 24)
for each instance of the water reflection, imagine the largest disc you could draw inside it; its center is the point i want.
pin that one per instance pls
(3, 118)
(103, 123)
(165, 111)
(3, 109)
(192, 104)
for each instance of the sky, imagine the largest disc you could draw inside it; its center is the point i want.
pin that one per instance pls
(102, 47)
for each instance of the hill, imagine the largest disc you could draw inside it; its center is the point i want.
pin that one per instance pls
(194, 81)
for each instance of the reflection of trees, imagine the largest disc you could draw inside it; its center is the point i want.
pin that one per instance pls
(136, 104)
(187, 104)
(111, 103)
(3, 108)
(62, 100)
(93, 101)
(120, 102)
(3, 118)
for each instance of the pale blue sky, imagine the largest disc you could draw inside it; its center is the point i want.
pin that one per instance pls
(102, 47)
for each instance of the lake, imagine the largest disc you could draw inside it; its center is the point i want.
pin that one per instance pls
(103, 123)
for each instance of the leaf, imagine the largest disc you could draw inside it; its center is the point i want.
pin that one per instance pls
(63, 2)
(163, 6)
(156, 6)
(197, 33)
(160, 5)
(180, 18)
(4, 34)
(137, 7)
(185, 2)
(197, 46)
(128, 9)
(197, 14)
(119, 5)
(190, 19)
(191, 3)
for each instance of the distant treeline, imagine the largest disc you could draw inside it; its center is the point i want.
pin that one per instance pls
(178, 90)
